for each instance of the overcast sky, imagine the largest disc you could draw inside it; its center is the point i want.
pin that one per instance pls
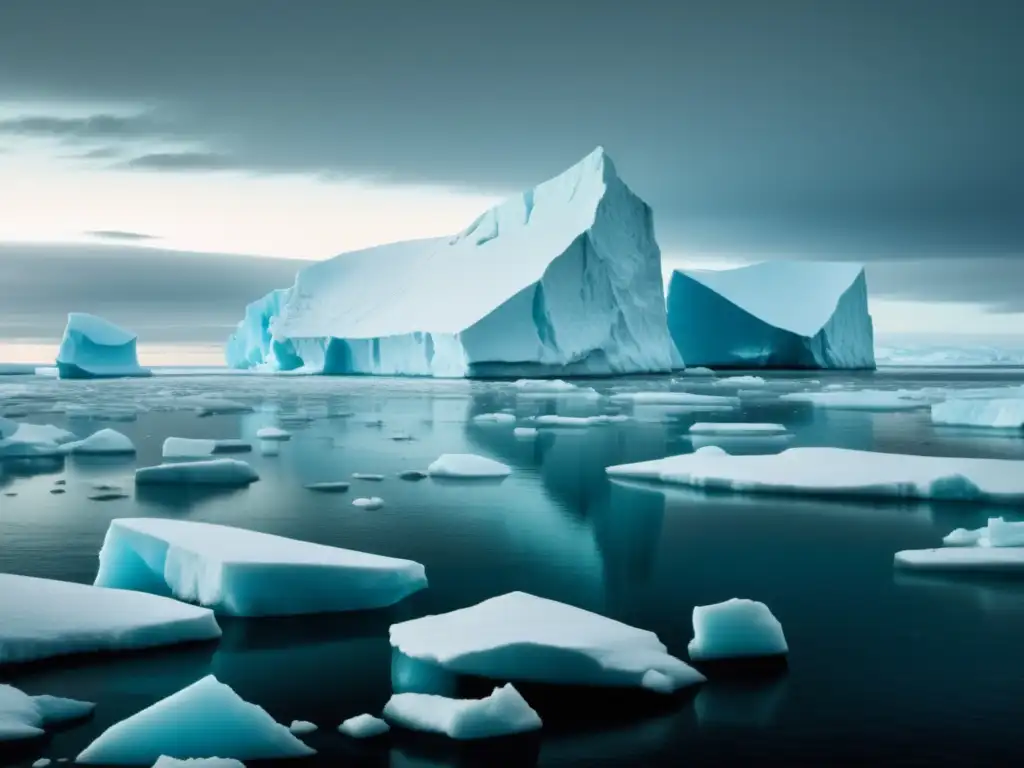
(888, 131)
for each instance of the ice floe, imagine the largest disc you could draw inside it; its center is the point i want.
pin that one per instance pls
(467, 465)
(735, 629)
(221, 472)
(503, 713)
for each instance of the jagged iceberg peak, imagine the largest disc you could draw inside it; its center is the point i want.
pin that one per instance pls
(563, 279)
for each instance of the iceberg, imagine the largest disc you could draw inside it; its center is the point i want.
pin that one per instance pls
(199, 448)
(106, 442)
(735, 629)
(246, 573)
(94, 348)
(36, 622)
(504, 713)
(838, 472)
(222, 472)
(964, 559)
(467, 466)
(205, 719)
(780, 314)
(24, 717)
(562, 280)
(302, 727)
(197, 762)
(521, 637)
(273, 433)
(998, 413)
(860, 400)
(736, 429)
(364, 726)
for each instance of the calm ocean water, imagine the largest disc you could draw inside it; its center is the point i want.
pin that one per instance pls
(883, 669)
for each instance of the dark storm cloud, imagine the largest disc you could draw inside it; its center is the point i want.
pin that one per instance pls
(165, 296)
(872, 129)
(182, 161)
(118, 234)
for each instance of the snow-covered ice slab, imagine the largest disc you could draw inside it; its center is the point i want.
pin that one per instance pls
(521, 637)
(42, 618)
(553, 420)
(220, 472)
(247, 573)
(193, 448)
(494, 418)
(205, 719)
(1000, 413)
(748, 429)
(966, 559)
(735, 629)
(564, 279)
(198, 762)
(369, 503)
(302, 727)
(467, 466)
(26, 717)
(545, 386)
(106, 442)
(741, 381)
(504, 713)
(364, 726)
(838, 472)
(859, 400)
(273, 433)
(997, 533)
(780, 314)
(94, 348)
(673, 398)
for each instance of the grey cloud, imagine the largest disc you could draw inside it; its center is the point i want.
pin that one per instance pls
(118, 234)
(98, 126)
(182, 161)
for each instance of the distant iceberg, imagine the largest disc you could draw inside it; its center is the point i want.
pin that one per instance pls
(782, 314)
(94, 348)
(564, 279)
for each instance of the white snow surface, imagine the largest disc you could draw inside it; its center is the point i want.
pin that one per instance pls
(96, 347)
(246, 573)
(518, 636)
(42, 618)
(737, 628)
(205, 719)
(736, 428)
(198, 448)
(997, 533)
(838, 472)
(564, 279)
(220, 472)
(503, 713)
(103, 442)
(273, 433)
(369, 503)
(364, 726)
(302, 727)
(967, 559)
(467, 465)
(1000, 413)
(25, 717)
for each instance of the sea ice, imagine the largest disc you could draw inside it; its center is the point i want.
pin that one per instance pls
(997, 533)
(273, 433)
(94, 348)
(735, 629)
(564, 279)
(191, 448)
(467, 465)
(197, 762)
(369, 503)
(494, 418)
(779, 314)
(37, 621)
(369, 476)
(727, 428)
(207, 718)
(246, 573)
(1002, 413)
(503, 713)
(364, 727)
(552, 420)
(859, 400)
(524, 433)
(742, 381)
(673, 398)
(967, 559)
(106, 442)
(838, 472)
(518, 636)
(302, 727)
(544, 385)
(329, 486)
(221, 472)
(25, 717)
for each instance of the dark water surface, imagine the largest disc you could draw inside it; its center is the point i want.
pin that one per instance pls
(883, 669)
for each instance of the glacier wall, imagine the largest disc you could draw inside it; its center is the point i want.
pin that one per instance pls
(562, 280)
(773, 315)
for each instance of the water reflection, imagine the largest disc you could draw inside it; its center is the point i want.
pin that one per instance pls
(740, 703)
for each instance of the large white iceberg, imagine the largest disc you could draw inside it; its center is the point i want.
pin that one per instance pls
(997, 413)
(206, 719)
(503, 713)
(838, 472)
(518, 636)
(94, 348)
(41, 618)
(780, 314)
(247, 573)
(564, 279)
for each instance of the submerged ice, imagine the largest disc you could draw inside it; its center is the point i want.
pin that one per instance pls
(780, 314)
(96, 348)
(564, 279)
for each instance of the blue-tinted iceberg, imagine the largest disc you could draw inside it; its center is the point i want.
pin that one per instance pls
(24, 717)
(503, 713)
(94, 348)
(783, 314)
(564, 279)
(247, 573)
(206, 719)
(735, 629)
